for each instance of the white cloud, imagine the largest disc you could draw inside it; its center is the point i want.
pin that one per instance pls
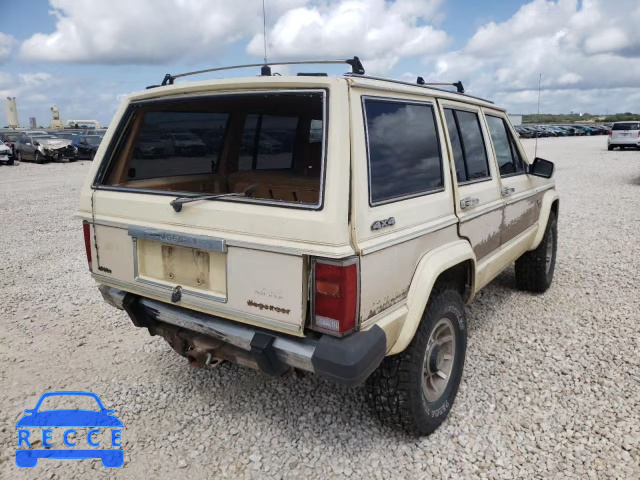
(591, 46)
(6, 46)
(378, 31)
(146, 31)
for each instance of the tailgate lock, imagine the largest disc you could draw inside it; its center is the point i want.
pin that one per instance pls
(176, 294)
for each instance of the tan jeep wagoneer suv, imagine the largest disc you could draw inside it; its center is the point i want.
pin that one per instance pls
(332, 225)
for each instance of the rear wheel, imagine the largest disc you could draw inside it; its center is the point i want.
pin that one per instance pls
(10, 161)
(415, 389)
(18, 157)
(609, 147)
(534, 269)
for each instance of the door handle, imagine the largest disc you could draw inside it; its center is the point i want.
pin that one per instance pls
(506, 191)
(469, 202)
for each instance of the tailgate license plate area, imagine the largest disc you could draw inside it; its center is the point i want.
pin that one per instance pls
(197, 264)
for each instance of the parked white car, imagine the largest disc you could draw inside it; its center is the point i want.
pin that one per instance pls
(6, 155)
(623, 135)
(347, 249)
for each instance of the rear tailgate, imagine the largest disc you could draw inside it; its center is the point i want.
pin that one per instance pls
(241, 259)
(625, 132)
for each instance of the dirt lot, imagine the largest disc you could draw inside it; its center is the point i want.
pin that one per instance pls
(551, 387)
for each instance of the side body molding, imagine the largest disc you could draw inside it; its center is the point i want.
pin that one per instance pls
(548, 198)
(430, 267)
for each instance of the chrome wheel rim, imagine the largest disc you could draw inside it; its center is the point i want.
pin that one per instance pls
(549, 256)
(439, 359)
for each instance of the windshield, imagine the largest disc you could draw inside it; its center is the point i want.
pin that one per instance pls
(93, 139)
(226, 143)
(68, 402)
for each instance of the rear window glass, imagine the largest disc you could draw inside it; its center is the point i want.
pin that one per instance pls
(626, 126)
(404, 153)
(272, 143)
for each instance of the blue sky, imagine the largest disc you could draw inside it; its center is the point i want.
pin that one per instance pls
(86, 55)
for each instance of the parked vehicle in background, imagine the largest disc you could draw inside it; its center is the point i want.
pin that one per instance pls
(183, 143)
(87, 145)
(347, 248)
(6, 154)
(10, 139)
(623, 135)
(42, 147)
(65, 135)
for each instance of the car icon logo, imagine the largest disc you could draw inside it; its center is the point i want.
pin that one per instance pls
(103, 435)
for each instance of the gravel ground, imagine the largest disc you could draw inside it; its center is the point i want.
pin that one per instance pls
(551, 387)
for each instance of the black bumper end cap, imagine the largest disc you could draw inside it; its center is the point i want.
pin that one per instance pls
(350, 360)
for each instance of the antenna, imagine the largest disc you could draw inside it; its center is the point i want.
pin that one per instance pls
(535, 153)
(264, 31)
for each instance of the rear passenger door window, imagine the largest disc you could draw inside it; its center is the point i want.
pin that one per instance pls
(507, 155)
(403, 149)
(467, 143)
(478, 201)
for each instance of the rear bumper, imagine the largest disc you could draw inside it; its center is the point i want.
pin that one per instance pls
(631, 141)
(349, 360)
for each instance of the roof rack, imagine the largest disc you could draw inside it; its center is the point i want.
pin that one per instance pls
(265, 69)
(458, 85)
(357, 70)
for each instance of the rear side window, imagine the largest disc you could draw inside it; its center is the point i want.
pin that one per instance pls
(626, 126)
(403, 148)
(467, 142)
(509, 159)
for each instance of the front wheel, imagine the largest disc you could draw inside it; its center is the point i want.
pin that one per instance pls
(38, 157)
(18, 157)
(534, 269)
(415, 389)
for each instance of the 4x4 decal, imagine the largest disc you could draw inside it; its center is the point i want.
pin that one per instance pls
(389, 222)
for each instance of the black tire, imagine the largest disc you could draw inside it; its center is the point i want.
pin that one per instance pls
(396, 390)
(18, 157)
(609, 147)
(10, 161)
(533, 272)
(38, 157)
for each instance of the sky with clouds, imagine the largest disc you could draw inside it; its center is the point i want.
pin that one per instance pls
(84, 55)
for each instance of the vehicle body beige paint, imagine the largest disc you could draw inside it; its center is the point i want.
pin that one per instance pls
(260, 275)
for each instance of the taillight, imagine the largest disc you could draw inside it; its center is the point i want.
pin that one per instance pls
(86, 229)
(611, 133)
(335, 296)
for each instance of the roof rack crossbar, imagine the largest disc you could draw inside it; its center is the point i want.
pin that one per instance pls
(458, 84)
(356, 67)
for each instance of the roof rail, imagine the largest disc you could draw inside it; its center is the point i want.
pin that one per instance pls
(458, 85)
(265, 69)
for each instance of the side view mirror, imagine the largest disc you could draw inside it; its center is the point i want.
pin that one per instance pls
(541, 168)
